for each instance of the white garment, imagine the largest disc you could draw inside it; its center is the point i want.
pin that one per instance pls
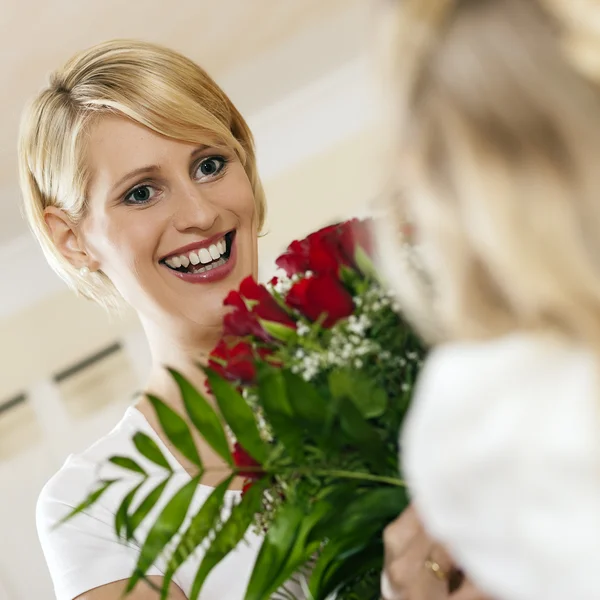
(84, 553)
(502, 452)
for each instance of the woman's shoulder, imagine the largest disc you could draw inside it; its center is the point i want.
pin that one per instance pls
(515, 364)
(82, 471)
(518, 391)
(502, 451)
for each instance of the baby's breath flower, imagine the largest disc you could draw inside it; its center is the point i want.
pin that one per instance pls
(302, 329)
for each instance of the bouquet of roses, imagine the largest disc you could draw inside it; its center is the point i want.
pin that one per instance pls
(311, 383)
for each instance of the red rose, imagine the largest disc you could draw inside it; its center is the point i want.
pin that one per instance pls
(246, 487)
(251, 303)
(356, 234)
(241, 322)
(235, 363)
(321, 294)
(243, 460)
(266, 306)
(319, 253)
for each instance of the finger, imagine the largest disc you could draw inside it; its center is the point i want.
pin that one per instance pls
(388, 592)
(400, 533)
(438, 555)
(408, 573)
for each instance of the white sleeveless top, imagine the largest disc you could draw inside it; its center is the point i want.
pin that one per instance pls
(502, 450)
(84, 553)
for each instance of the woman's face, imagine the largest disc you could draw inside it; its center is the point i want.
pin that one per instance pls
(172, 224)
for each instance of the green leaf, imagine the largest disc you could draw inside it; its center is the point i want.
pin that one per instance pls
(165, 527)
(286, 547)
(203, 523)
(239, 416)
(147, 447)
(341, 563)
(370, 510)
(122, 513)
(306, 402)
(365, 264)
(127, 463)
(273, 398)
(337, 494)
(146, 505)
(363, 436)
(349, 277)
(356, 530)
(204, 417)
(89, 501)
(368, 397)
(176, 430)
(274, 551)
(229, 536)
(280, 332)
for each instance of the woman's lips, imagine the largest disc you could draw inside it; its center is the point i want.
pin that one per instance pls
(214, 274)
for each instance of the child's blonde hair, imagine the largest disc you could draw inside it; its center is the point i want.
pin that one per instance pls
(152, 85)
(497, 139)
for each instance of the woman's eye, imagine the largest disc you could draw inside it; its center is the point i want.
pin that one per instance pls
(210, 167)
(140, 195)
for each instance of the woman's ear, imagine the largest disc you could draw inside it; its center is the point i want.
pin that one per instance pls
(64, 235)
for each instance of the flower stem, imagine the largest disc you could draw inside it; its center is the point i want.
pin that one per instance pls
(361, 477)
(340, 474)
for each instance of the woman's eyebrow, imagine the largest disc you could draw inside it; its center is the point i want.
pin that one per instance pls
(151, 168)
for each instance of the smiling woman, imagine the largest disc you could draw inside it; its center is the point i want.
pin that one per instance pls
(139, 181)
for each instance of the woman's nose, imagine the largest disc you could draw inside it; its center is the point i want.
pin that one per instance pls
(193, 209)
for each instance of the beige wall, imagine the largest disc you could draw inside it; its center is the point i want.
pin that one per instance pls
(333, 184)
(63, 329)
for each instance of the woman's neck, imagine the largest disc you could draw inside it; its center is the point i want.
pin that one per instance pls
(184, 353)
(185, 356)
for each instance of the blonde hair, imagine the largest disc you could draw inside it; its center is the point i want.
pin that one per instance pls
(154, 86)
(497, 139)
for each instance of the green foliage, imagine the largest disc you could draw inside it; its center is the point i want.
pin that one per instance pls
(228, 536)
(127, 463)
(165, 527)
(176, 429)
(202, 524)
(204, 418)
(133, 521)
(89, 501)
(239, 416)
(148, 448)
(320, 428)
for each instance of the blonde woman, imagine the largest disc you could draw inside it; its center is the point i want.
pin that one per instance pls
(497, 141)
(139, 181)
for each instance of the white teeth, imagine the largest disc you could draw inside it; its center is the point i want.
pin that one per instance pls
(202, 255)
(205, 256)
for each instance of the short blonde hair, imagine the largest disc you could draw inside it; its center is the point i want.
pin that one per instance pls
(497, 138)
(155, 87)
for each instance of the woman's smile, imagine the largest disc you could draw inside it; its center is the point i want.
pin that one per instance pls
(205, 261)
(164, 214)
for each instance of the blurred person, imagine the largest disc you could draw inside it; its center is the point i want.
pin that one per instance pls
(495, 139)
(139, 181)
